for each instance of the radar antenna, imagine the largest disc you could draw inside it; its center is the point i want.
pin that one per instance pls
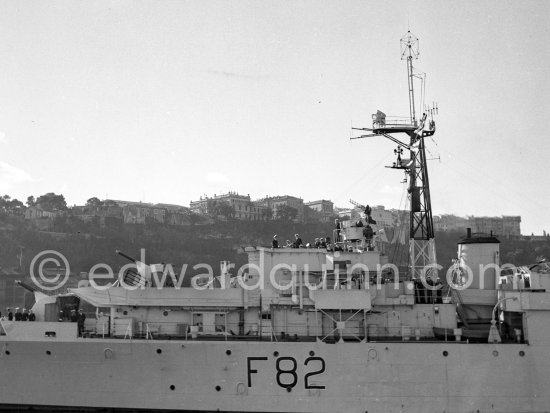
(421, 229)
(409, 51)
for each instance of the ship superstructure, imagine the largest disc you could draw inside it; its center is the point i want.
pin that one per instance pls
(333, 328)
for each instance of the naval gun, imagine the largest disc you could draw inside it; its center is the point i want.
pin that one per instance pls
(141, 275)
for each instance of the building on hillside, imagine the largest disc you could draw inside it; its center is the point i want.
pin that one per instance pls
(507, 226)
(39, 218)
(140, 212)
(99, 214)
(176, 214)
(36, 212)
(511, 225)
(323, 210)
(274, 203)
(243, 207)
(199, 207)
(450, 222)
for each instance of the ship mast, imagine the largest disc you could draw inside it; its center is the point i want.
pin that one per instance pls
(409, 51)
(421, 231)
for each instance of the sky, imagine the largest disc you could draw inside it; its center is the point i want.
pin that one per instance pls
(167, 101)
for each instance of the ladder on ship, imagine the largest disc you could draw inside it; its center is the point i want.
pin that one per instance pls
(457, 299)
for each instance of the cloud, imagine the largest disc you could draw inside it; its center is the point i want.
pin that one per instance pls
(11, 176)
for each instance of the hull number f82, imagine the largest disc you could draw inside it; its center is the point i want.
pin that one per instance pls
(286, 370)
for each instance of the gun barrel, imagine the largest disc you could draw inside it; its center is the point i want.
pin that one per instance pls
(125, 256)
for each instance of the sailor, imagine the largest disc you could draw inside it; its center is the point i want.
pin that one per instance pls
(368, 233)
(81, 319)
(359, 223)
(275, 242)
(74, 316)
(298, 243)
(10, 314)
(32, 316)
(61, 316)
(18, 314)
(25, 315)
(323, 242)
(337, 227)
(317, 243)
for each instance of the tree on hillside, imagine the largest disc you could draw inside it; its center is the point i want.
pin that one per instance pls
(286, 213)
(94, 202)
(224, 209)
(267, 214)
(52, 202)
(11, 206)
(16, 206)
(31, 201)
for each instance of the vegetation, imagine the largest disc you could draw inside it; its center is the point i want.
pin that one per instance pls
(86, 242)
(11, 206)
(286, 213)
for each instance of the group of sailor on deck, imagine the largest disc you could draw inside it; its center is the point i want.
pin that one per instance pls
(298, 243)
(325, 242)
(18, 316)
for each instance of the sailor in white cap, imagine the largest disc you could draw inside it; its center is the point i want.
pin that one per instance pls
(275, 242)
(18, 314)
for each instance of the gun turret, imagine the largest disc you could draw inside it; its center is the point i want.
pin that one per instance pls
(142, 273)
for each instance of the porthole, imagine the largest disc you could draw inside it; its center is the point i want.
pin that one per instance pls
(165, 313)
(218, 388)
(228, 352)
(48, 352)
(289, 389)
(172, 387)
(495, 353)
(522, 353)
(7, 353)
(312, 353)
(445, 353)
(276, 353)
(159, 351)
(125, 312)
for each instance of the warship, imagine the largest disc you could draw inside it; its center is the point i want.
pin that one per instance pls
(323, 328)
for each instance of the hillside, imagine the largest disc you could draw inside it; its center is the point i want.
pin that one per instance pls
(86, 244)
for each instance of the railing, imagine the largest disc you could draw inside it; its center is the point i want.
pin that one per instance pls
(392, 121)
(352, 330)
(329, 328)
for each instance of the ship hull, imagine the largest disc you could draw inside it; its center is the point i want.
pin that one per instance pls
(276, 376)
